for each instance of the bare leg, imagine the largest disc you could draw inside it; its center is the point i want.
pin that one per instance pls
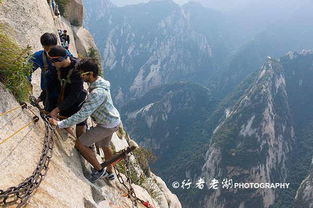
(80, 130)
(88, 154)
(107, 150)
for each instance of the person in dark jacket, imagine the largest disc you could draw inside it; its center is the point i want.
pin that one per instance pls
(69, 85)
(40, 60)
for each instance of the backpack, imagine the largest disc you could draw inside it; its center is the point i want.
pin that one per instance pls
(65, 81)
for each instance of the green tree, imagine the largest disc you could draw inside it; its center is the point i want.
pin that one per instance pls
(94, 54)
(62, 5)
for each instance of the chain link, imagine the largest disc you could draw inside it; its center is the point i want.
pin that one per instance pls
(20, 194)
(131, 193)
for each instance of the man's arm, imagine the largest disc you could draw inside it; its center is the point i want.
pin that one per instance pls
(94, 100)
(36, 61)
(42, 96)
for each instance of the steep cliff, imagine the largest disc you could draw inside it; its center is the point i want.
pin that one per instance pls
(299, 71)
(253, 143)
(65, 184)
(74, 12)
(170, 120)
(162, 41)
(265, 137)
(147, 45)
(83, 41)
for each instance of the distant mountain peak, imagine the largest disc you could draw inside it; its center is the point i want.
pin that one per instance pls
(306, 52)
(170, 1)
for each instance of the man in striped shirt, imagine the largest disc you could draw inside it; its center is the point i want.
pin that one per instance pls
(99, 106)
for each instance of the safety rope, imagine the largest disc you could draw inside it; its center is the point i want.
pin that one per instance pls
(23, 105)
(20, 194)
(35, 119)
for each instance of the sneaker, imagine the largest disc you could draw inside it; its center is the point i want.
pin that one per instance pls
(110, 176)
(95, 175)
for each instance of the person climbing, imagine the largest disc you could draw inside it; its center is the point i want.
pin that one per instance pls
(65, 39)
(56, 10)
(99, 106)
(69, 84)
(52, 4)
(60, 32)
(40, 60)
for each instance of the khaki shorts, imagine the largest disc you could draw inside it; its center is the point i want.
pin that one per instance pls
(99, 135)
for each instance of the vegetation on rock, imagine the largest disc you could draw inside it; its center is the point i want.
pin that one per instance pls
(62, 4)
(14, 67)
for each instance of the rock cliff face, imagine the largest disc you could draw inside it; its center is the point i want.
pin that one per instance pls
(83, 41)
(147, 45)
(74, 12)
(167, 120)
(256, 137)
(252, 144)
(65, 184)
(304, 197)
(299, 73)
(28, 20)
(192, 43)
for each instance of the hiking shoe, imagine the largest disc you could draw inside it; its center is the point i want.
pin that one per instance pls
(95, 175)
(110, 176)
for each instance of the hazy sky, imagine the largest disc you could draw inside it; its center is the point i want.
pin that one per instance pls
(241, 4)
(227, 5)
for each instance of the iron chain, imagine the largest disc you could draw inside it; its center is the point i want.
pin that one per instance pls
(20, 194)
(131, 193)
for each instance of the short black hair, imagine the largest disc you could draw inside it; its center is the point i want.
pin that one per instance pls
(57, 51)
(48, 39)
(88, 65)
